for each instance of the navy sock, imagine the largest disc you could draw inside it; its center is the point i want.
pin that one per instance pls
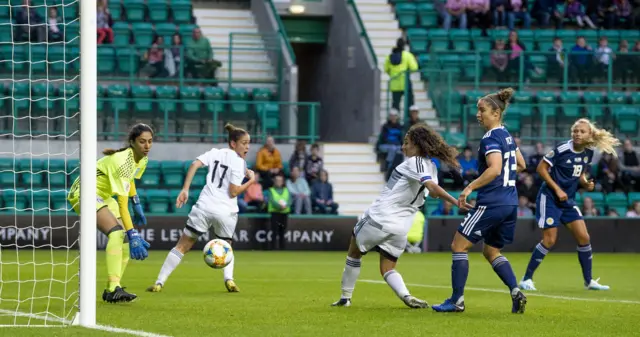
(585, 255)
(502, 267)
(459, 274)
(536, 259)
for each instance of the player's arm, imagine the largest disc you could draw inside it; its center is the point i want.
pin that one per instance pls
(543, 171)
(587, 184)
(494, 167)
(438, 192)
(138, 212)
(137, 245)
(183, 197)
(522, 164)
(238, 172)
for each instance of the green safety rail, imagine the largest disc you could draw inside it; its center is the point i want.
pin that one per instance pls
(363, 31)
(281, 30)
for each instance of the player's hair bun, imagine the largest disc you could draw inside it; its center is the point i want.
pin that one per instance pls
(229, 127)
(505, 94)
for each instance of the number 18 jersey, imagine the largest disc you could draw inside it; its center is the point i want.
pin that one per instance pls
(502, 190)
(225, 166)
(567, 166)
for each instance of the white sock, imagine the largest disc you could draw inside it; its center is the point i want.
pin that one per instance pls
(170, 263)
(395, 281)
(349, 276)
(228, 270)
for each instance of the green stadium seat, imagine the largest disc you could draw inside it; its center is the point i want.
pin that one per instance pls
(56, 59)
(598, 198)
(418, 39)
(73, 59)
(21, 95)
(101, 100)
(128, 61)
(173, 195)
(70, 10)
(151, 175)
(612, 35)
(115, 92)
(544, 37)
(616, 200)
(72, 33)
(106, 60)
(524, 101)
(44, 96)
(158, 201)
(214, 99)
(38, 59)
(472, 66)
(144, 34)
(191, 102)
(167, 96)
(40, 201)
(630, 35)
(186, 30)
(121, 34)
(57, 173)
(627, 119)
(73, 169)
(181, 10)
(500, 34)
(5, 13)
(59, 202)
(633, 197)
(460, 39)
(513, 119)
(571, 101)
(547, 103)
(115, 8)
(472, 96)
(14, 200)
(634, 98)
(617, 97)
(439, 39)
(32, 172)
(427, 14)
(268, 112)
(424, 60)
(166, 30)
(238, 96)
(69, 94)
(143, 103)
(567, 36)
(134, 10)
(593, 101)
(158, 10)
(173, 173)
(19, 57)
(200, 179)
(407, 14)
(7, 175)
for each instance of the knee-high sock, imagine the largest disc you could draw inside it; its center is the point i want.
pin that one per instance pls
(459, 274)
(585, 257)
(502, 267)
(228, 270)
(114, 259)
(395, 281)
(170, 263)
(350, 276)
(125, 258)
(536, 259)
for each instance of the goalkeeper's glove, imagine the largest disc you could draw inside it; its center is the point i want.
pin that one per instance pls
(138, 213)
(137, 246)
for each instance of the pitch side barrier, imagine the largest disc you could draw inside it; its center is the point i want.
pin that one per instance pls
(310, 233)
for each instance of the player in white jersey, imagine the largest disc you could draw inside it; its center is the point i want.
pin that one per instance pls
(217, 205)
(385, 224)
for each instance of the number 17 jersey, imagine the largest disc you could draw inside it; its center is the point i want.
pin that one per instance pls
(502, 190)
(225, 166)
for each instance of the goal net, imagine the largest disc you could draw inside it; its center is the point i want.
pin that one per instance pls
(40, 156)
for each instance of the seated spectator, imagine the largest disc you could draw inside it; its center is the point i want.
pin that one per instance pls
(268, 163)
(499, 12)
(314, 164)
(176, 54)
(242, 205)
(608, 173)
(299, 190)
(634, 210)
(322, 195)
(416, 233)
(299, 158)
(455, 9)
(573, 11)
(390, 139)
(603, 56)
(155, 58)
(581, 61)
(30, 24)
(104, 24)
(636, 64)
(518, 9)
(622, 14)
(630, 167)
(613, 213)
(254, 195)
(635, 14)
(588, 207)
(444, 208)
(468, 166)
(55, 34)
(544, 11)
(623, 63)
(523, 206)
(414, 118)
(279, 206)
(200, 62)
(555, 67)
(500, 62)
(479, 14)
(529, 190)
(517, 49)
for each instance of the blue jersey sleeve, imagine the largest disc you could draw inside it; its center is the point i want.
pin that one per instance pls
(489, 145)
(551, 156)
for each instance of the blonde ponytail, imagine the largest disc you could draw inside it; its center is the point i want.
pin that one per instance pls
(601, 139)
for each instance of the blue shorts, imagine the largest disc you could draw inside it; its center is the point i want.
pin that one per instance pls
(495, 225)
(549, 214)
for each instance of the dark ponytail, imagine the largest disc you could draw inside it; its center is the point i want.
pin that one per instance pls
(134, 133)
(234, 133)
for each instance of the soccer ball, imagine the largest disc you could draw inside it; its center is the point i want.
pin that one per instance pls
(217, 253)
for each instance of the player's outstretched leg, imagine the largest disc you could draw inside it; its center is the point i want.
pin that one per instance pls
(349, 275)
(172, 261)
(395, 281)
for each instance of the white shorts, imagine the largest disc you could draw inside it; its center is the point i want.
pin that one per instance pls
(369, 235)
(200, 221)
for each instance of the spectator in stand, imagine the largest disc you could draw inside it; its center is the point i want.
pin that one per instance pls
(623, 64)
(414, 118)
(635, 14)
(573, 11)
(555, 66)
(535, 159)
(390, 139)
(634, 210)
(300, 192)
(593, 10)
(479, 13)
(607, 10)
(314, 164)
(444, 208)
(623, 14)
(279, 206)
(630, 168)
(468, 166)
(30, 24)
(581, 61)
(200, 62)
(396, 66)
(588, 208)
(517, 49)
(518, 9)
(454, 9)
(500, 61)
(636, 64)
(55, 34)
(499, 12)
(322, 195)
(254, 195)
(176, 54)
(608, 173)
(155, 58)
(104, 24)
(269, 163)
(523, 206)
(613, 213)
(299, 157)
(603, 56)
(544, 11)
(529, 190)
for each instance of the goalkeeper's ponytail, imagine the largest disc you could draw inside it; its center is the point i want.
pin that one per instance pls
(134, 133)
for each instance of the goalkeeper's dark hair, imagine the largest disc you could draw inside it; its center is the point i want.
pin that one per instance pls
(235, 133)
(134, 133)
(432, 145)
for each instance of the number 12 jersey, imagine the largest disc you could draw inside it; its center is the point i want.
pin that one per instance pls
(225, 166)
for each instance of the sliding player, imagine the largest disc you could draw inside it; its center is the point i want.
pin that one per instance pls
(384, 226)
(217, 205)
(116, 172)
(562, 170)
(493, 219)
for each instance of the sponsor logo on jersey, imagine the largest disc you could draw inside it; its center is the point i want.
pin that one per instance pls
(549, 221)
(425, 178)
(568, 161)
(586, 160)
(550, 154)
(578, 160)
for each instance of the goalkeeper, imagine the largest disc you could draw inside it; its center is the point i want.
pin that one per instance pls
(116, 172)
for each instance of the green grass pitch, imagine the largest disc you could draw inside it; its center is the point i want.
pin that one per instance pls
(288, 294)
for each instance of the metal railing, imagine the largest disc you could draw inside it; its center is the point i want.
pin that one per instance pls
(363, 31)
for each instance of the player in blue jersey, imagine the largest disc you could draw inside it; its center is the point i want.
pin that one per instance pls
(493, 220)
(562, 170)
